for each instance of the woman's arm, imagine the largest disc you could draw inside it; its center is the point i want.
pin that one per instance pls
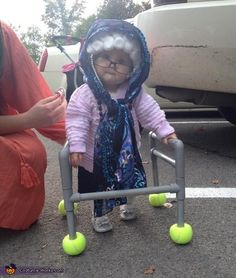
(44, 113)
(13, 123)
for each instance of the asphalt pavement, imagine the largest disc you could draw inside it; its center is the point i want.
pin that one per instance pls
(142, 247)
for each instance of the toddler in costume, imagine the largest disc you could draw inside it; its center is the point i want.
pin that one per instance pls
(103, 116)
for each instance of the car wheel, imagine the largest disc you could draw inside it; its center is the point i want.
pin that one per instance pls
(229, 113)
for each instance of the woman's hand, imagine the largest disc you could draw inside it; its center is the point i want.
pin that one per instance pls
(46, 112)
(75, 158)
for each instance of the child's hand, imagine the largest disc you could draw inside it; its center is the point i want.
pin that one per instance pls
(166, 139)
(75, 158)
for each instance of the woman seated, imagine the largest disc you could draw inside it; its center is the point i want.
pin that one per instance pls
(26, 103)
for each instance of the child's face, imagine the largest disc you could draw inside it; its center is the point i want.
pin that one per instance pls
(113, 68)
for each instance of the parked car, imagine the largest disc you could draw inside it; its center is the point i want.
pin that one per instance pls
(54, 58)
(193, 50)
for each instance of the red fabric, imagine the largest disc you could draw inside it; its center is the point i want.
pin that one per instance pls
(22, 155)
(21, 83)
(21, 198)
(69, 67)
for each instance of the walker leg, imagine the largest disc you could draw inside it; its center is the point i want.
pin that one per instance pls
(74, 243)
(66, 177)
(180, 233)
(156, 200)
(155, 174)
(180, 213)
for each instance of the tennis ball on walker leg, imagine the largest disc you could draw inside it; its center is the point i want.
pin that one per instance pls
(181, 235)
(157, 200)
(62, 210)
(75, 246)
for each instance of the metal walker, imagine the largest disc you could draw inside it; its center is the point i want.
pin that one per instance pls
(181, 233)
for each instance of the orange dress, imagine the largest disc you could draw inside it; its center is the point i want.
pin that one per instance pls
(23, 159)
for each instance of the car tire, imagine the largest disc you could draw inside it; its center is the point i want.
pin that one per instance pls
(229, 113)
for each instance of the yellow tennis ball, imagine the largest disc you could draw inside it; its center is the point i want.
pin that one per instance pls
(75, 246)
(181, 235)
(157, 200)
(62, 210)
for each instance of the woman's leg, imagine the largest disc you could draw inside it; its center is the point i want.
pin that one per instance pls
(22, 168)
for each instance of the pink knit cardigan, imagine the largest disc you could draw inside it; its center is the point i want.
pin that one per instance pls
(82, 119)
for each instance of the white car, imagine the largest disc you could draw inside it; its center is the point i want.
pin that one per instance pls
(193, 55)
(193, 50)
(52, 64)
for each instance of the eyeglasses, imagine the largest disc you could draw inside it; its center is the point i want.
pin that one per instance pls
(105, 62)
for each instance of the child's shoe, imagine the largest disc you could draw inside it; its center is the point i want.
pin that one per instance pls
(101, 224)
(127, 212)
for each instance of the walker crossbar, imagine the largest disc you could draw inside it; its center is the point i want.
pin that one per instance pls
(163, 156)
(178, 187)
(122, 193)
